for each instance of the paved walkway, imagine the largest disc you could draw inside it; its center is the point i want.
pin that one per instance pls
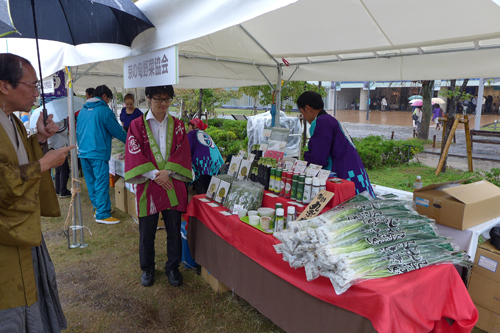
(485, 156)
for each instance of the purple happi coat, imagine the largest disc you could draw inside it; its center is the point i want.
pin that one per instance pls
(331, 147)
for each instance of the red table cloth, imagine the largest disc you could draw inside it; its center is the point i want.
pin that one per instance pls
(418, 301)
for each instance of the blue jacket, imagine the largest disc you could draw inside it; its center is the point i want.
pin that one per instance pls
(95, 128)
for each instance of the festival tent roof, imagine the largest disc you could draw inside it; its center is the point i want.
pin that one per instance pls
(233, 42)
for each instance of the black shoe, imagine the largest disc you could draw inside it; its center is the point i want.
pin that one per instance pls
(148, 278)
(174, 278)
(65, 195)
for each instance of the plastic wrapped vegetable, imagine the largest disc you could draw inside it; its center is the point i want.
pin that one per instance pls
(245, 193)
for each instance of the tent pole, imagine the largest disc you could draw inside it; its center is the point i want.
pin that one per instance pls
(265, 77)
(479, 104)
(368, 102)
(278, 96)
(77, 207)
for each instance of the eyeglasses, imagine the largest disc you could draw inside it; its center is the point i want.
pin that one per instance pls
(161, 100)
(32, 85)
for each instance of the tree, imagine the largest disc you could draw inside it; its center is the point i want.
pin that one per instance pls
(289, 92)
(427, 89)
(453, 95)
(196, 100)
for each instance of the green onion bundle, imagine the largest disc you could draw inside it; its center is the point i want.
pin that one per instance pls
(366, 239)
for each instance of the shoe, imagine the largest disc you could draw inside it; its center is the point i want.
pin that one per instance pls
(174, 278)
(94, 210)
(148, 278)
(65, 195)
(109, 220)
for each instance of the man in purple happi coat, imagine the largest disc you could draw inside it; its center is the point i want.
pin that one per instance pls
(330, 145)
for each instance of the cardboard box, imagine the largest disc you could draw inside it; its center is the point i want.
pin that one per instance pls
(460, 206)
(131, 205)
(487, 261)
(216, 285)
(488, 321)
(485, 292)
(121, 195)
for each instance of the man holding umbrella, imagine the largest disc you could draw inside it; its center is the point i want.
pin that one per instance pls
(29, 300)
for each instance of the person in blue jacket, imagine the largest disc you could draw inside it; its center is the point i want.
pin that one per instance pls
(96, 127)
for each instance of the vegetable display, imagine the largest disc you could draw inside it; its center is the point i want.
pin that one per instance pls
(245, 193)
(366, 239)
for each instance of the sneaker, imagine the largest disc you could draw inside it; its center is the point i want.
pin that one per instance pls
(65, 195)
(148, 278)
(174, 278)
(94, 210)
(109, 220)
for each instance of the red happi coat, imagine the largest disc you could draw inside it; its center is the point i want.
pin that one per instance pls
(151, 198)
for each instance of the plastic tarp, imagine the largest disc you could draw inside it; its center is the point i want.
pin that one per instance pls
(257, 124)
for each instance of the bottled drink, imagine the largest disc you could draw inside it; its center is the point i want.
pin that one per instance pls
(277, 181)
(295, 183)
(315, 187)
(284, 178)
(288, 185)
(271, 179)
(306, 197)
(418, 183)
(322, 184)
(300, 188)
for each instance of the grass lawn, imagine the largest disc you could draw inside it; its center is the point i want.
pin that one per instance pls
(403, 177)
(491, 127)
(100, 289)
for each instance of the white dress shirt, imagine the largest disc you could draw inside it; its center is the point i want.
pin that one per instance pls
(159, 131)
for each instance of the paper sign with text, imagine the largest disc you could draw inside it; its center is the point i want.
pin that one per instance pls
(157, 68)
(316, 206)
(299, 167)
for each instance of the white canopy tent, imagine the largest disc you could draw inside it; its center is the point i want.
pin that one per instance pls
(341, 40)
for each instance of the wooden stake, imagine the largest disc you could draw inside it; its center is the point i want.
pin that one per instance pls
(469, 143)
(447, 146)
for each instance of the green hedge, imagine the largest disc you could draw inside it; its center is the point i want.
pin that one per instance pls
(376, 151)
(229, 135)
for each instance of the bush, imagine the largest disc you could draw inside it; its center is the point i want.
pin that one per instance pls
(376, 151)
(231, 135)
(236, 126)
(493, 176)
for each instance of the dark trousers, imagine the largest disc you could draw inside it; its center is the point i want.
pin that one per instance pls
(147, 233)
(200, 185)
(61, 178)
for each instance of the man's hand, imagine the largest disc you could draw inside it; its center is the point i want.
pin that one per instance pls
(45, 132)
(162, 178)
(54, 158)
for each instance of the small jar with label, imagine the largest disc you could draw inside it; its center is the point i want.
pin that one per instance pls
(322, 184)
(279, 224)
(315, 187)
(291, 215)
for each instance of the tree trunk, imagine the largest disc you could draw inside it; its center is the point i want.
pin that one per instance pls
(451, 105)
(427, 89)
(200, 103)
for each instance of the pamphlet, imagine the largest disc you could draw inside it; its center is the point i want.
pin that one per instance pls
(299, 166)
(234, 166)
(245, 168)
(212, 188)
(222, 192)
(313, 169)
(323, 174)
